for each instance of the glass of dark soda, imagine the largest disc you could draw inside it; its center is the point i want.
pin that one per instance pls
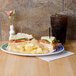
(59, 26)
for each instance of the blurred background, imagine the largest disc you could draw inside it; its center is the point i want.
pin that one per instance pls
(33, 16)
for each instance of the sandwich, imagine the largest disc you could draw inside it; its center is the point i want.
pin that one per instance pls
(51, 43)
(20, 37)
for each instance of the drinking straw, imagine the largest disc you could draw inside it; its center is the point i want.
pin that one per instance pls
(49, 10)
(49, 32)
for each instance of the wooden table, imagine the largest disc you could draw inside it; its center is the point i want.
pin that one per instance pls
(12, 65)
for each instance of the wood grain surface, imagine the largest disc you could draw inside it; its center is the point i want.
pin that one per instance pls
(12, 65)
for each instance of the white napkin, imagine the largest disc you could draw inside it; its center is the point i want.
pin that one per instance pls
(56, 56)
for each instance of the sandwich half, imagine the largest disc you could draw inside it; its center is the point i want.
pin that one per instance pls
(20, 37)
(51, 43)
